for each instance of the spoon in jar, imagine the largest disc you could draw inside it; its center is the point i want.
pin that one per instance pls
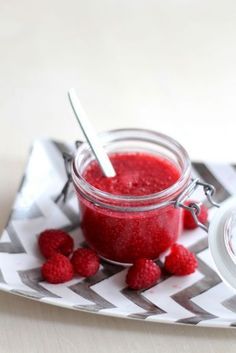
(91, 136)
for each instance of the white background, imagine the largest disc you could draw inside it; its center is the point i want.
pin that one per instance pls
(168, 65)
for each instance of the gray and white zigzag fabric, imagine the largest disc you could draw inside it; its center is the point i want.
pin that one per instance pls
(200, 299)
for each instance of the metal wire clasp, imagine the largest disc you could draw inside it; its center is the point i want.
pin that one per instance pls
(194, 207)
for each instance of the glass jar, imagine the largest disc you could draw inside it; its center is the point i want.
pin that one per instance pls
(123, 228)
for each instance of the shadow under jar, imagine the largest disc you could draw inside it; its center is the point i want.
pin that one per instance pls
(122, 228)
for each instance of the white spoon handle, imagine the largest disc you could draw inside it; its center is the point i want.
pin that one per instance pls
(91, 135)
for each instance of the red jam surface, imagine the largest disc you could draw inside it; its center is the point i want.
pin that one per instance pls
(136, 174)
(126, 236)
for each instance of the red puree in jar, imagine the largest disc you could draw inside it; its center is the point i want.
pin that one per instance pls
(124, 236)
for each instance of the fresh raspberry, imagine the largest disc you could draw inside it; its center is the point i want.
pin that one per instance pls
(57, 269)
(143, 274)
(189, 222)
(180, 261)
(85, 262)
(53, 241)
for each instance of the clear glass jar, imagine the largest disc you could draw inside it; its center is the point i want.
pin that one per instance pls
(122, 228)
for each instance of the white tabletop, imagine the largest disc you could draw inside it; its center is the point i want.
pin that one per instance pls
(167, 65)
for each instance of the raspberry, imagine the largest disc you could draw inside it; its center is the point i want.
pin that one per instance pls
(53, 241)
(143, 274)
(57, 269)
(189, 222)
(180, 261)
(85, 262)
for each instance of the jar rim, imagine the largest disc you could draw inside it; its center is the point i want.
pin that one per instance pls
(137, 133)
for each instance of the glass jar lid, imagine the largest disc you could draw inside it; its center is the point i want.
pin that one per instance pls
(222, 241)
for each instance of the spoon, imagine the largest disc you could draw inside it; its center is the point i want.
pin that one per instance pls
(91, 136)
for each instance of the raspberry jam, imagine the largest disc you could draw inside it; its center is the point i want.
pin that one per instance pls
(126, 217)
